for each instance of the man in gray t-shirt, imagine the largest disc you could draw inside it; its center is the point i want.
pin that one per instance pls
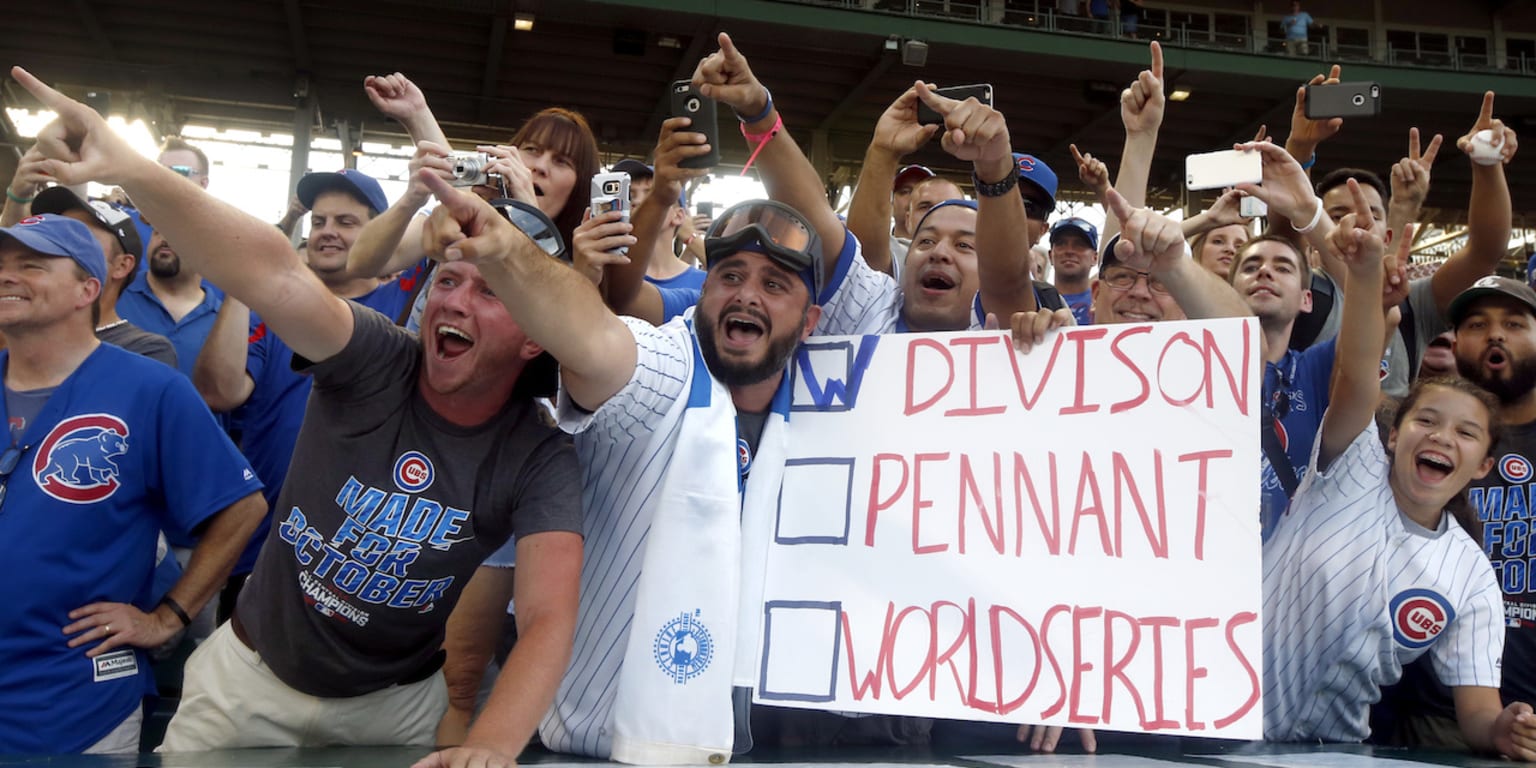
(424, 457)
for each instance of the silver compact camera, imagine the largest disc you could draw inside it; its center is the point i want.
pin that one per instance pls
(469, 169)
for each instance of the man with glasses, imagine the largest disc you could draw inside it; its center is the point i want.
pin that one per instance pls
(419, 458)
(104, 449)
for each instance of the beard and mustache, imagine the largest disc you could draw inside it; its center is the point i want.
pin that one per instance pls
(1514, 382)
(738, 374)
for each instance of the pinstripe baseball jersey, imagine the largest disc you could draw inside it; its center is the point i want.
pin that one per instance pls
(625, 448)
(1353, 590)
(866, 301)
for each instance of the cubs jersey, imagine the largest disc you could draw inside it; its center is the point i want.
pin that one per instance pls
(1353, 590)
(123, 448)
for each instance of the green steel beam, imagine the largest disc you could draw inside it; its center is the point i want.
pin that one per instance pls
(880, 25)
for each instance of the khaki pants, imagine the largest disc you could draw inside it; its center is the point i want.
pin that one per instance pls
(231, 699)
(1297, 48)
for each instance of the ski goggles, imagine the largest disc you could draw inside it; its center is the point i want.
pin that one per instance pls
(772, 229)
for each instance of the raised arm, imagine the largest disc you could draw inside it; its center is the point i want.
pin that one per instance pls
(624, 284)
(897, 134)
(1141, 111)
(726, 77)
(248, 258)
(1222, 213)
(219, 374)
(1356, 387)
(397, 97)
(558, 308)
(391, 241)
(1488, 212)
(978, 133)
(25, 185)
(1410, 182)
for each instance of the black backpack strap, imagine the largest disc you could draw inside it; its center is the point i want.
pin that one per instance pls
(1278, 460)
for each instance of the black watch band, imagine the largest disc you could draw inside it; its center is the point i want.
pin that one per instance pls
(997, 189)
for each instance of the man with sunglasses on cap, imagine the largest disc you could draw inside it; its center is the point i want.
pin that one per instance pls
(104, 449)
(119, 239)
(418, 459)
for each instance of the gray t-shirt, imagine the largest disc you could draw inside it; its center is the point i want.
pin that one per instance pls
(387, 511)
(1427, 322)
(140, 342)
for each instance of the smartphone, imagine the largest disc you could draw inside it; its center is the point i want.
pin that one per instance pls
(1251, 207)
(1343, 100)
(926, 115)
(1226, 168)
(688, 102)
(610, 192)
(706, 209)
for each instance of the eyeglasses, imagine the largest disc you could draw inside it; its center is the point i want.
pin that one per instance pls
(8, 461)
(533, 223)
(779, 230)
(1122, 279)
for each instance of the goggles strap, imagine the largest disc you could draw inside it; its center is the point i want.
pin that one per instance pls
(760, 140)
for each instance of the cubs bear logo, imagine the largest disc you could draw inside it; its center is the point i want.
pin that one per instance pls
(77, 461)
(1514, 468)
(413, 472)
(1419, 616)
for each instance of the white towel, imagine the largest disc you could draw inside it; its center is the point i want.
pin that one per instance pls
(698, 606)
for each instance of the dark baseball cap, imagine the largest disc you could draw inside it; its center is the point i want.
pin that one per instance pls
(911, 174)
(53, 235)
(1081, 226)
(1492, 285)
(349, 180)
(634, 168)
(115, 220)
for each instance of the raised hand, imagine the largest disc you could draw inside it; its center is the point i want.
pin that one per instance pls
(396, 96)
(726, 77)
(1286, 188)
(1091, 171)
(508, 163)
(596, 243)
(897, 131)
(674, 145)
(1149, 241)
(433, 157)
(1142, 104)
(1410, 175)
(31, 176)
(79, 146)
(1307, 133)
(1354, 240)
(1227, 210)
(974, 132)
(1500, 136)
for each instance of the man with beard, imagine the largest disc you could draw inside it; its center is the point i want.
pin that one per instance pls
(420, 457)
(171, 302)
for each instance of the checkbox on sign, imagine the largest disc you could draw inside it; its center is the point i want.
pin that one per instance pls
(801, 644)
(811, 491)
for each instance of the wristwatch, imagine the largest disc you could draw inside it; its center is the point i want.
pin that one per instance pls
(997, 189)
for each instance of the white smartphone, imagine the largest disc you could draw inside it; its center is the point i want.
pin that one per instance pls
(610, 192)
(1227, 168)
(1251, 207)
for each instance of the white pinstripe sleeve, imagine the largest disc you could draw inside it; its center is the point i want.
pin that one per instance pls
(864, 301)
(1469, 651)
(661, 372)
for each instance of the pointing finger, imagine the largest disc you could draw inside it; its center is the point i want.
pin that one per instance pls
(50, 98)
(1483, 117)
(1157, 60)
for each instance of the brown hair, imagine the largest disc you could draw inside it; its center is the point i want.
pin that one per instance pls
(175, 143)
(1459, 506)
(1301, 257)
(566, 132)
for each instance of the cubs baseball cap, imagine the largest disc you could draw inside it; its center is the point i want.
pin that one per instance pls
(349, 180)
(1107, 257)
(115, 220)
(53, 235)
(634, 168)
(1492, 285)
(1034, 170)
(910, 175)
(1081, 226)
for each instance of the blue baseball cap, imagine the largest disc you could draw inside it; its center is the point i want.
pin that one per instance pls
(1081, 226)
(53, 235)
(349, 180)
(1035, 171)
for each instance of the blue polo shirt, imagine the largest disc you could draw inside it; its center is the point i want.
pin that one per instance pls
(143, 308)
(1297, 388)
